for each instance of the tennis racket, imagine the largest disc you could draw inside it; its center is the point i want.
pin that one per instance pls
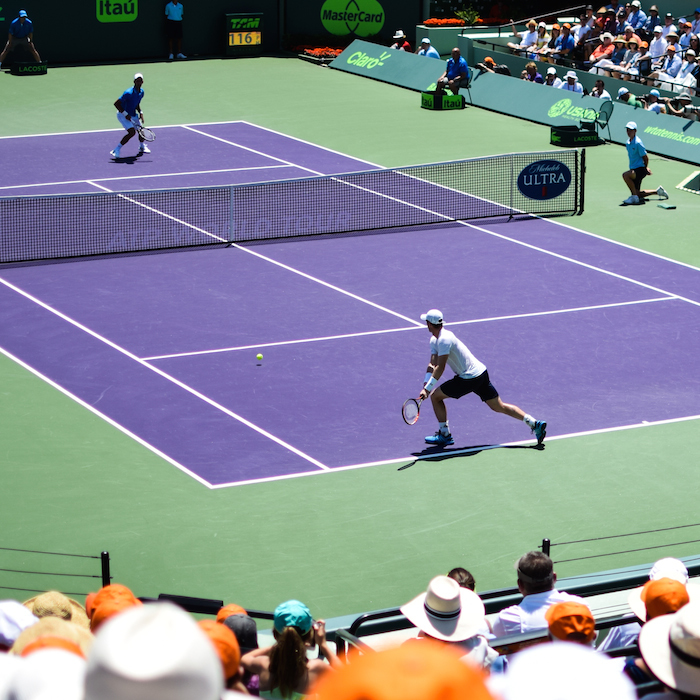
(411, 410)
(145, 134)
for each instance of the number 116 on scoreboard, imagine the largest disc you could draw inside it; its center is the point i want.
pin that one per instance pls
(244, 38)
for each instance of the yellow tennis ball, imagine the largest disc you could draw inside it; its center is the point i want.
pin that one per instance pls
(258, 356)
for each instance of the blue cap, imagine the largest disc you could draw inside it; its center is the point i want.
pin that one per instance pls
(293, 614)
(22, 13)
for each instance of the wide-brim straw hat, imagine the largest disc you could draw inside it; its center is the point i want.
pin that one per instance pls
(54, 627)
(55, 604)
(670, 647)
(446, 611)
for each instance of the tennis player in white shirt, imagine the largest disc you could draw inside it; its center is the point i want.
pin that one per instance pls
(471, 376)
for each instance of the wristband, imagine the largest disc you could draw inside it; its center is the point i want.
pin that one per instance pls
(428, 376)
(125, 114)
(430, 385)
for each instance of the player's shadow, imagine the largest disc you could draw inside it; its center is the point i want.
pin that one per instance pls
(128, 160)
(438, 454)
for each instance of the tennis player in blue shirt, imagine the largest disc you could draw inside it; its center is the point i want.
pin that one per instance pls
(128, 106)
(456, 74)
(639, 168)
(21, 32)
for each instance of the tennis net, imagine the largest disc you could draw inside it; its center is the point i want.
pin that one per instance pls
(59, 226)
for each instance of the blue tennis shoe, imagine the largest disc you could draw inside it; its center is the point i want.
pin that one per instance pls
(540, 431)
(439, 439)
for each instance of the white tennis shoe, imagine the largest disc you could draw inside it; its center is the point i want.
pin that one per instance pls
(632, 199)
(115, 153)
(662, 193)
(143, 148)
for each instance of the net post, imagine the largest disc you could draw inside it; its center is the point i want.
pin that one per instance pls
(546, 544)
(106, 577)
(582, 176)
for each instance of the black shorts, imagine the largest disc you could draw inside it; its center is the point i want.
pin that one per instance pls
(457, 387)
(639, 175)
(173, 29)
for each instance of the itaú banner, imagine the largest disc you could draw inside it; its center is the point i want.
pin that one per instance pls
(390, 66)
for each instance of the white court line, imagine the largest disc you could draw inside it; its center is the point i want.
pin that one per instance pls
(460, 452)
(140, 177)
(105, 417)
(163, 374)
(410, 328)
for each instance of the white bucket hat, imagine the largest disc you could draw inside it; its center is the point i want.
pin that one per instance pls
(153, 652)
(670, 646)
(446, 611)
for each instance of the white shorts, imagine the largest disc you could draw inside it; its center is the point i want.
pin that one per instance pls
(125, 121)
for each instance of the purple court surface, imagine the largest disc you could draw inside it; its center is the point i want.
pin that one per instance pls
(584, 333)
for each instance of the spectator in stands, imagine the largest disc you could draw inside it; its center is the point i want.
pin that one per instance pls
(226, 645)
(657, 46)
(622, 15)
(695, 44)
(14, 619)
(463, 578)
(687, 76)
(400, 41)
(653, 103)
(54, 628)
(426, 49)
(670, 648)
(685, 28)
(489, 66)
(562, 672)
(668, 68)
(551, 78)
(629, 35)
(628, 60)
(246, 632)
(531, 73)
(653, 20)
(21, 34)
(425, 671)
(581, 32)
(55, 604)
(564, 44)
(607, 21)
(549, 46)
(51, 673)
(603, 51)
(672, 40)
(542, 40)
(449, 613)
(696, 21)
(571, 83)
(637, 18)
(536, 581)
(153, 651)
(571, 622)
(111, 600)
(284, 670)
(528, 38)
(612, 60)
(669, 26)
(456, 73)
(684, 108)
(624, 95)
(638, 168)
(600, 91)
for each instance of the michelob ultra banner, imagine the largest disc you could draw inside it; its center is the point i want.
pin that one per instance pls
(390, 66)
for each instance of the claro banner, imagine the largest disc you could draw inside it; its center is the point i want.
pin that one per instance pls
(390, 65)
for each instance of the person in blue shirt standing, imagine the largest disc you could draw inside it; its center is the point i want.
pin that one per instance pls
(21, 32)
(173, 27)
(639, 168)
(128, 106)
(456, 74)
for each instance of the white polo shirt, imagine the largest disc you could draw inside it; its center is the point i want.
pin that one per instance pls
(529, 615)
(459, 359)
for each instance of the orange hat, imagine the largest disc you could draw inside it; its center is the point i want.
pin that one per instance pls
(421, 670)
(226, 645)
(556, 26)
(571, 621)
(109, 601)
(663, 596)
(488, 59)
(52, 643)
(567, 25)
(228, 610)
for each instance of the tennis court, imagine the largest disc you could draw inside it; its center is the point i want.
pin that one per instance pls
(159, 351)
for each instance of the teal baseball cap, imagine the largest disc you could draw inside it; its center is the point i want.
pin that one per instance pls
(293, 614)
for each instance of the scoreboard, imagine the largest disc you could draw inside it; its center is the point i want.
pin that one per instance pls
(244, 34)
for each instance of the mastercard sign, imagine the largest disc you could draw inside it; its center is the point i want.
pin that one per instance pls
(544, 179)
(360, 17)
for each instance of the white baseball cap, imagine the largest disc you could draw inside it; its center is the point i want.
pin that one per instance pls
(138, 75)
(551, 70)
(425, 40)
(631, 125)
(622, 91)
(433, 316)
